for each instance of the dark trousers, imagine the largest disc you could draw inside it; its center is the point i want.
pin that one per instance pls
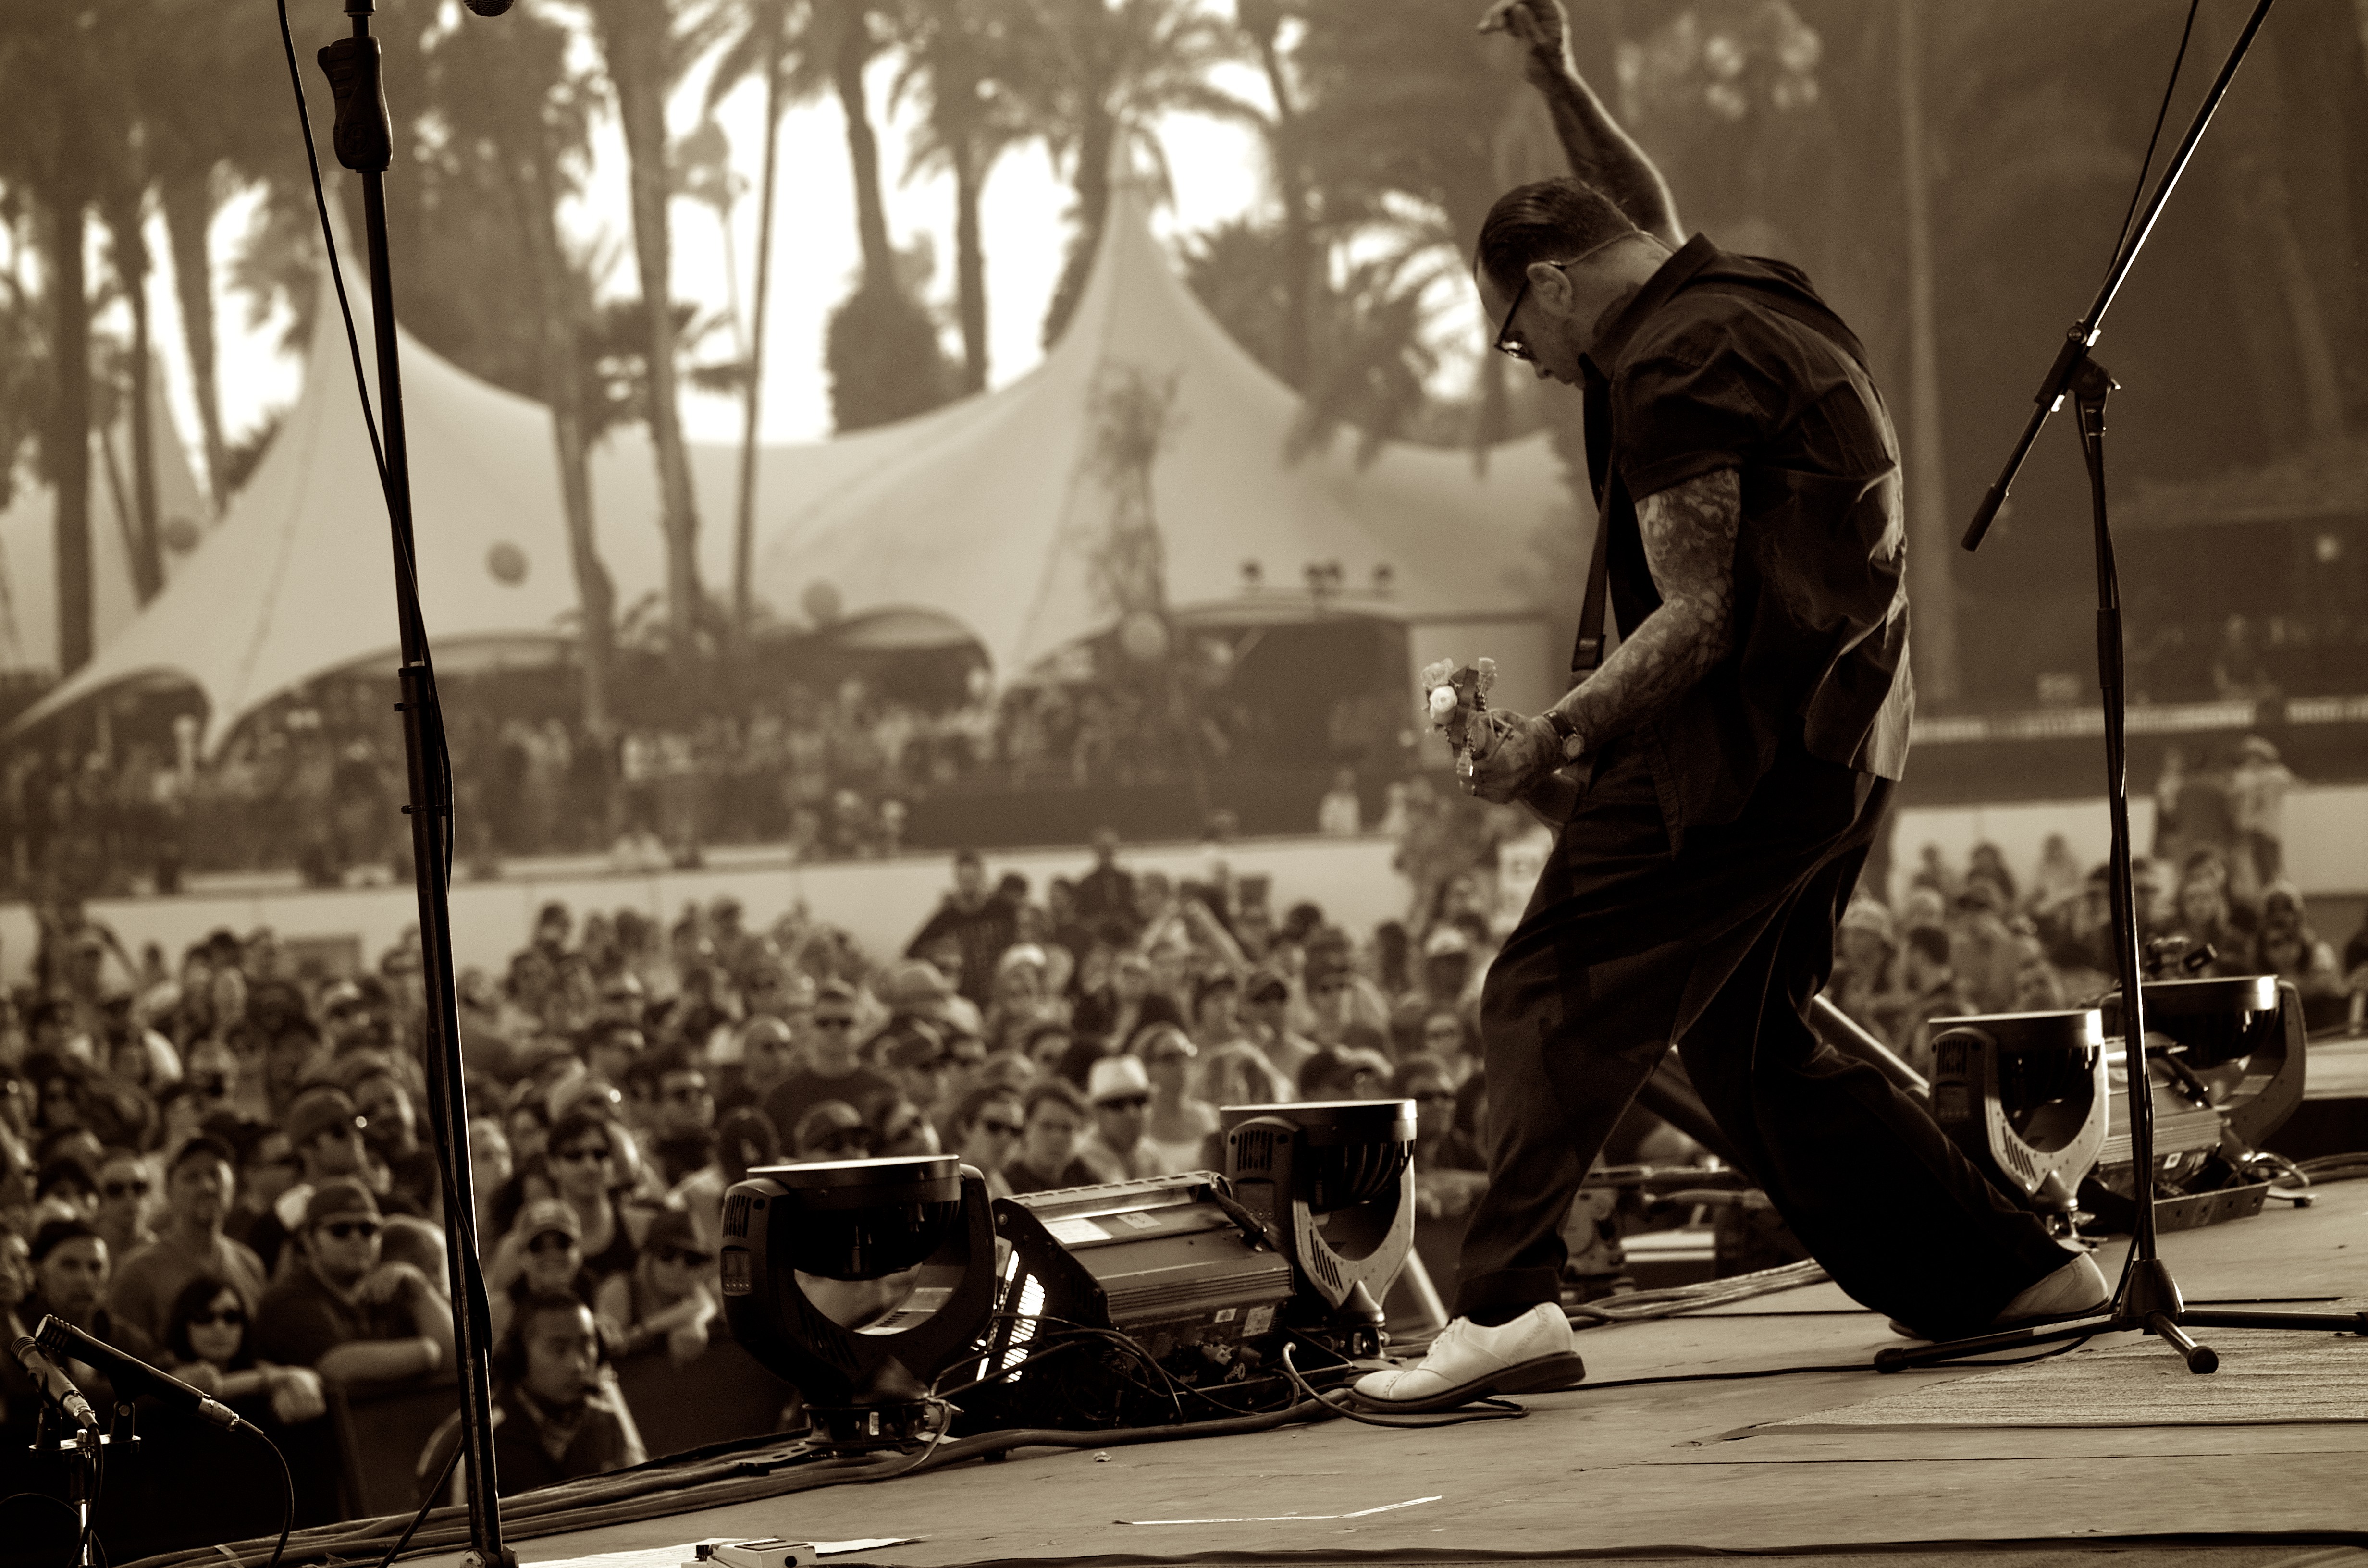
(1720, 946)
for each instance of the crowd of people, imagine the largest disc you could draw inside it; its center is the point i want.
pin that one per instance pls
(2212, 897)
(223, 1168)
(830, 772)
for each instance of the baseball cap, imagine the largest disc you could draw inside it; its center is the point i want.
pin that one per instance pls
(915, 1045)
(1115, 1077)
(1866, 914)
(1447, 939)
(1265, 985)
(916, 981)
(316, 1111)
(1208, 985)
(674, 1228)
(545, 1215)
(333, 1199)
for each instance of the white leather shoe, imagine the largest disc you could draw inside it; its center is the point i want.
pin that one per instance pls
(1529, 1355)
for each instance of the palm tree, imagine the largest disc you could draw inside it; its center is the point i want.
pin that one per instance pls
(972, 67)
(519, 121)
(49, 152)
(1119, 65)
(647, 45)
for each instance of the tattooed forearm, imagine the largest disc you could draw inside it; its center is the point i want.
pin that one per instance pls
(1690, 544)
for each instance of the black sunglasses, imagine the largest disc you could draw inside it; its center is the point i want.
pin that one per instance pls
(1518, 349)
(1001, 1128)
(136, 1188)
(1124, 1102)
(344, 1230)
(233, 1318)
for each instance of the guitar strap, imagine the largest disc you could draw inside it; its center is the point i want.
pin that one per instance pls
(1588, 657)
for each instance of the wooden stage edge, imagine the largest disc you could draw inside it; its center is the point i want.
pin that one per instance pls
(1657, 1471)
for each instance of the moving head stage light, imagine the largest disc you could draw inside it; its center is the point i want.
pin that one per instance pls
(2040, 1101)
(2023, 1095)
(2224, 1063)
(815, 1263)
(1332, 1182)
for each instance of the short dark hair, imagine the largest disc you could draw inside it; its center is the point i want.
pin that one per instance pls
(966, 1113)
(1054, 1089)
(1929, 940)
(1547, 219)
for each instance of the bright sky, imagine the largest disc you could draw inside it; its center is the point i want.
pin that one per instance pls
(1219, 171)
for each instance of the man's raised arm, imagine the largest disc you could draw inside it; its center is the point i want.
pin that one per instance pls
(1600, 151)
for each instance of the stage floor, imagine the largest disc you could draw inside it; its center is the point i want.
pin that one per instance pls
(1610, 1471)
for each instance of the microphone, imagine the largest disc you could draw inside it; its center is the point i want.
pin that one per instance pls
(55, 1385)
(129, 1373)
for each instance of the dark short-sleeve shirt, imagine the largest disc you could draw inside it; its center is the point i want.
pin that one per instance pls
(1725, 361)
(302, 1319)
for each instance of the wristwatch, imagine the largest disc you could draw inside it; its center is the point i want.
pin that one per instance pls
(1566, 729)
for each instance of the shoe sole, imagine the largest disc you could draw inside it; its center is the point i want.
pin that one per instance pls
(1547, 1374)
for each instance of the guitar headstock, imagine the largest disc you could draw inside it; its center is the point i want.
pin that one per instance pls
(1453, 695)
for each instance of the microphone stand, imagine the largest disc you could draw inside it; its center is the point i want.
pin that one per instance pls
(2147, 1298)
(364, 140)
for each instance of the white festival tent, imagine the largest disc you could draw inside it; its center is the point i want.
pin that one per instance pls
(972, 515)
(989, 518)
(28, 542)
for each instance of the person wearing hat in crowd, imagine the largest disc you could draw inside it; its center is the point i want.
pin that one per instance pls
(199, 1181)
(325, 1135)
(1332, 998)
(831, 1130)
(1119, 1089)
(1866, 945)
(343, 1313)
(1344, 1072)
(1930, 989)
(914, 1058)
(767, 1053)
(1445, 982)
(834, 1068)
(1266, 1012)
(1179, 1121)
(2257, 788)
(382, 1095)
(978, 919)
(542, 1252)
(1216, 1012)
(666, 1298)
(1984, 949)
(1051, 1117)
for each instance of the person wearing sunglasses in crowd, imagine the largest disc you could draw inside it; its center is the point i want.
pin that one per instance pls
(123, 1194)
(200, 1182)
(543, 1253)
(831, 1130)
(834, 1068)
(204, 1333)
(589, 1166)
(984, 1131)
(1177, 1122)
(1053, 1117)
(666, 1298)
(341, 1309)
(1738, 752)
(1119, 1089)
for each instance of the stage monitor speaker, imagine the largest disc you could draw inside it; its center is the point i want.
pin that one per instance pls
(859, 1281)
(2023, 1095)
(1333, 1181)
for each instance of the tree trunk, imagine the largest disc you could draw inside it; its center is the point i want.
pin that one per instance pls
(534, 186)
(68, 448)
(186, 197)
(970, 262)
(1093, 187)
(1931, 585)
(131, 266)
(635, 42)
(743, 517)
(1298, 246)
(847, 60)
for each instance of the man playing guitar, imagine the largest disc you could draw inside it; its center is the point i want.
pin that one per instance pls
(1716, 782)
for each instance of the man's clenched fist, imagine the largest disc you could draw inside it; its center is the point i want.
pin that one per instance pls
(1539, 27)
(1517, 756)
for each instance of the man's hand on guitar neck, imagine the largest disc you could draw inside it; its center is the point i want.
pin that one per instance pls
(1516, 755)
